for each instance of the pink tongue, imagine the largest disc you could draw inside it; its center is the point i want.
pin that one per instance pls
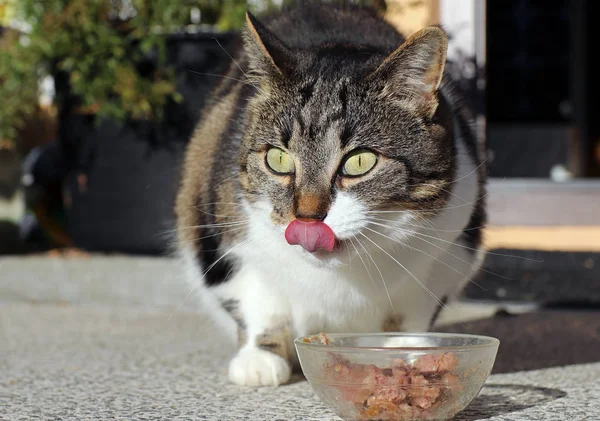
(311, 236)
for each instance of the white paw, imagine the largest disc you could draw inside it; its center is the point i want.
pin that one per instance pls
(409, 342)
(256, 367)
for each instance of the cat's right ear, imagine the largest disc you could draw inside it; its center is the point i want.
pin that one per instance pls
(267, 54)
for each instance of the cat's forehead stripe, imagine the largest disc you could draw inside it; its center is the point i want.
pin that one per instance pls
(306, 91)
(323, 105)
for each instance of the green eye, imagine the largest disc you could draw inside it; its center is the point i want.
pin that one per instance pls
(279, 161)
(359, 163)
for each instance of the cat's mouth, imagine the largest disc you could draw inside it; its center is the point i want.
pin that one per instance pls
(339, 245)
(339, 249)
(312, 236)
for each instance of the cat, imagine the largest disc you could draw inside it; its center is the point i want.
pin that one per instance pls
(334, 184)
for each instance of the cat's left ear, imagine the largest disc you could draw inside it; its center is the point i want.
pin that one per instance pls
(267, 54)
(414, 71)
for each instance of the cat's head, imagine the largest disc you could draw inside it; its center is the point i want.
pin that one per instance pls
(340, 133)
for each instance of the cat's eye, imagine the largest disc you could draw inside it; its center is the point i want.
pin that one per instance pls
(279, 161)
(359, 163)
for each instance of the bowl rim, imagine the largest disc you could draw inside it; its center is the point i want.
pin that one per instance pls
(491, 342)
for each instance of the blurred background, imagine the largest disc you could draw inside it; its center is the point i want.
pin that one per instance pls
(98, 99)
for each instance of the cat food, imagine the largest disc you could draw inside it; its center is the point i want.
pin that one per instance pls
(401, 392)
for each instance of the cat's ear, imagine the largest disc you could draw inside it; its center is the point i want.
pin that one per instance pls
(414, 71)
(267, 54)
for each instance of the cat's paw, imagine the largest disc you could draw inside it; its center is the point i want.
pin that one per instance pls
(409, 342)
(256, 367)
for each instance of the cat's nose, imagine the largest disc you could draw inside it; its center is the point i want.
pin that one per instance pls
(312, 217)
(311, 207)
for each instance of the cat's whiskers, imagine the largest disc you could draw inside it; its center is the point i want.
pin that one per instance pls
(221, 233)
(427, 254)
(452, 254)
(349, 254)
(395, 314)
(399, 224)
(437, 300)
(446, 191)
(430, 212)
(217, 225)
(415, 225)
(362, 260)
(239, 205)
(457, 244)
(217, 203)
(226, 180)
(223, 76)
(416, 236)
(239, 67)
(208, 269)
(427, 221)
(425, 211)
(197, 207)
(216, 215)
(474, 171)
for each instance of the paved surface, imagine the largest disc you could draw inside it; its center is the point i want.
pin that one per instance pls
(114, 280)
(144, 282)
(86, 359)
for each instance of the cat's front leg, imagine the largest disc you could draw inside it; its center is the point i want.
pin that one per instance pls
(265, 354)
(258, 363)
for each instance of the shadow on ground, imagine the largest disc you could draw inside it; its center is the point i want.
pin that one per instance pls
(534, 341)
(500, 399)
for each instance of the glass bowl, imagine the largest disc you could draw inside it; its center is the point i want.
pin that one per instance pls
(396, 376)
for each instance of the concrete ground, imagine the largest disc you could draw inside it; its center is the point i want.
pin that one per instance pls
(115, 338)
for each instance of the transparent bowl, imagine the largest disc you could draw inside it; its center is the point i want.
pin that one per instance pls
(396, 376)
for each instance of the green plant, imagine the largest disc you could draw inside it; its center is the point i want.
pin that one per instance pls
(18, 86)
(98, 45)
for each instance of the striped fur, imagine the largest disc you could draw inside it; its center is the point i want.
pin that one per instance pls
(321, 82)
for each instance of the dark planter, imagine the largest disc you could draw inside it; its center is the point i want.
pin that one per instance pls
(122, 178)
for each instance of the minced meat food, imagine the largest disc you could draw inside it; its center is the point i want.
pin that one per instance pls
(401, 392)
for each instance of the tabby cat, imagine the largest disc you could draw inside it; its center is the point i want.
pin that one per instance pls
(333, 184)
